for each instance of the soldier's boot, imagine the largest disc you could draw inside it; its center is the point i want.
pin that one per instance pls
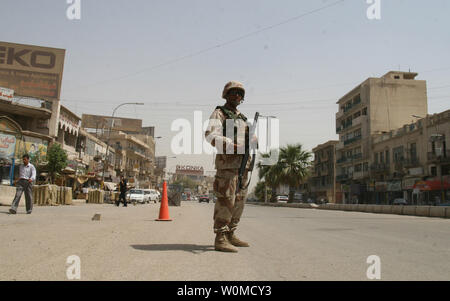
(235, 241)
(222, 244)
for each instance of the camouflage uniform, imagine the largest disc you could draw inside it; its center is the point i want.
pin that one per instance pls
(230, 203)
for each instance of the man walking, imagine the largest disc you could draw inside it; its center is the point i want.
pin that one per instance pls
(225, 122)
(27, 175)
(123, 192)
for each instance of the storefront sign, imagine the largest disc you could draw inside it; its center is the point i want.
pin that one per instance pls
(31, 70)
(6, 94)
(394, 186)
(408, 184)
(7, 146)
(380, 186)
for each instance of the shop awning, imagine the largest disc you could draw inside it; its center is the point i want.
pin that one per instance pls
(110, 186)
(431, 185)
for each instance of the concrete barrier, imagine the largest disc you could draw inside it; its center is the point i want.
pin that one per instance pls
(370, 208)
(7, 194)
(346, 207)
(377, 209)
(438, 211)
(386, 209)
(423, 210)
(362, 207)
(409, 210)
(397, 209)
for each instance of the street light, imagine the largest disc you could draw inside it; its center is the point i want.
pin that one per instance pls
(109, 133)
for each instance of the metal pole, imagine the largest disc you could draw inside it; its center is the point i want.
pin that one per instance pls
(109, 135)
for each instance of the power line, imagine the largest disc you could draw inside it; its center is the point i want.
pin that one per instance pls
(197, 53)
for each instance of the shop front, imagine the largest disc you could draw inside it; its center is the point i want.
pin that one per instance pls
(10, 134)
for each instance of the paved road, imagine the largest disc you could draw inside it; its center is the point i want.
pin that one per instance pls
(286, 244)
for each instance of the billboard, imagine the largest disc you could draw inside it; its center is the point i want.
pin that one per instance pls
(104, 122)
(31, 71)
(189, 170)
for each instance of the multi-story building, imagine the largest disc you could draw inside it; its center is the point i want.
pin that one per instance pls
(412, 162)
(322, 180)
(376, 106)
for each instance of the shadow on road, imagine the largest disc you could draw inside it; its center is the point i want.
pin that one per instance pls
(175, 247)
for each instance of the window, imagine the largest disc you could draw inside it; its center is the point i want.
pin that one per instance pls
(413, 151)
(387, 156)
(381, 157)
(358, 167)
(376, 158)
(366, 166)
(398, 154)
(364, 111)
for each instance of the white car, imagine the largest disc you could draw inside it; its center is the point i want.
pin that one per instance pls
(151, 195)
(282, 198)
(136, 196)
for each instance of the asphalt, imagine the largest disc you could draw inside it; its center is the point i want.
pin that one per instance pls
(286, 244)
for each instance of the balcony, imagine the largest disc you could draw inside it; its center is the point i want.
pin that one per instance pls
(340, 145)
(433, 157)
(341, 178)
(355, 104)
(339, 114)
(352, 140)
(358, 175)
(358, 156)
(379, 168)
(338, 130)
(341, 160)
(359, 120)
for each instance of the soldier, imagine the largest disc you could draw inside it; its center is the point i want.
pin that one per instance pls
(230, 200)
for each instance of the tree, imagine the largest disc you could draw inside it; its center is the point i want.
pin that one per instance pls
(260, 191)
(270, 175)
(57, 160)
(187, 183)
(291, 169)
(294, 163)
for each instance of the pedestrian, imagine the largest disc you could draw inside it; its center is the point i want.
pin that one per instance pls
(230, 199)
(123, 192)
(27, 175)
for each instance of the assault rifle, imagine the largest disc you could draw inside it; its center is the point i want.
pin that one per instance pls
(248, 148)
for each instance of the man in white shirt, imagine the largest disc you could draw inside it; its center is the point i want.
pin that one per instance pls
(27, 175)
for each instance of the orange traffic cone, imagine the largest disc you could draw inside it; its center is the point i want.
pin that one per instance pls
(164, 209)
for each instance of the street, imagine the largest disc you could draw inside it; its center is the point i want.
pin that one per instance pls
(286, 244)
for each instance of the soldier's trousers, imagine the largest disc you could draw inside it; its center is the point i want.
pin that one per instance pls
(230, 203)
(27, 187)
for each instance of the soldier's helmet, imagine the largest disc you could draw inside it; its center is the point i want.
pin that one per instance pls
(232, 85)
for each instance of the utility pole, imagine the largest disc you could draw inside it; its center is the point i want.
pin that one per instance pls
(106, 162)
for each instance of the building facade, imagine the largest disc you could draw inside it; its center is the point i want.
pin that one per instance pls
(322, 180)
(376, 106)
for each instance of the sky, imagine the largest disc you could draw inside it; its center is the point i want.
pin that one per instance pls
(295, 58)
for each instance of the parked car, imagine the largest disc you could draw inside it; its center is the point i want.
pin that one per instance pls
(282, 198)
(151, 195)
(203, 198)
(399, 202)
(298, 197)
(136, 196)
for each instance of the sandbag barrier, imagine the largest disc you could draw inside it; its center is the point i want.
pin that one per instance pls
(96, 196)
(52, 195)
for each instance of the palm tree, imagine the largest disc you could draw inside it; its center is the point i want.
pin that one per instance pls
(291, 169)
(293, 165)
(270, 175)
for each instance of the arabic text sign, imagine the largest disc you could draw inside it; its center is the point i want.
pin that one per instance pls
(6, 94)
